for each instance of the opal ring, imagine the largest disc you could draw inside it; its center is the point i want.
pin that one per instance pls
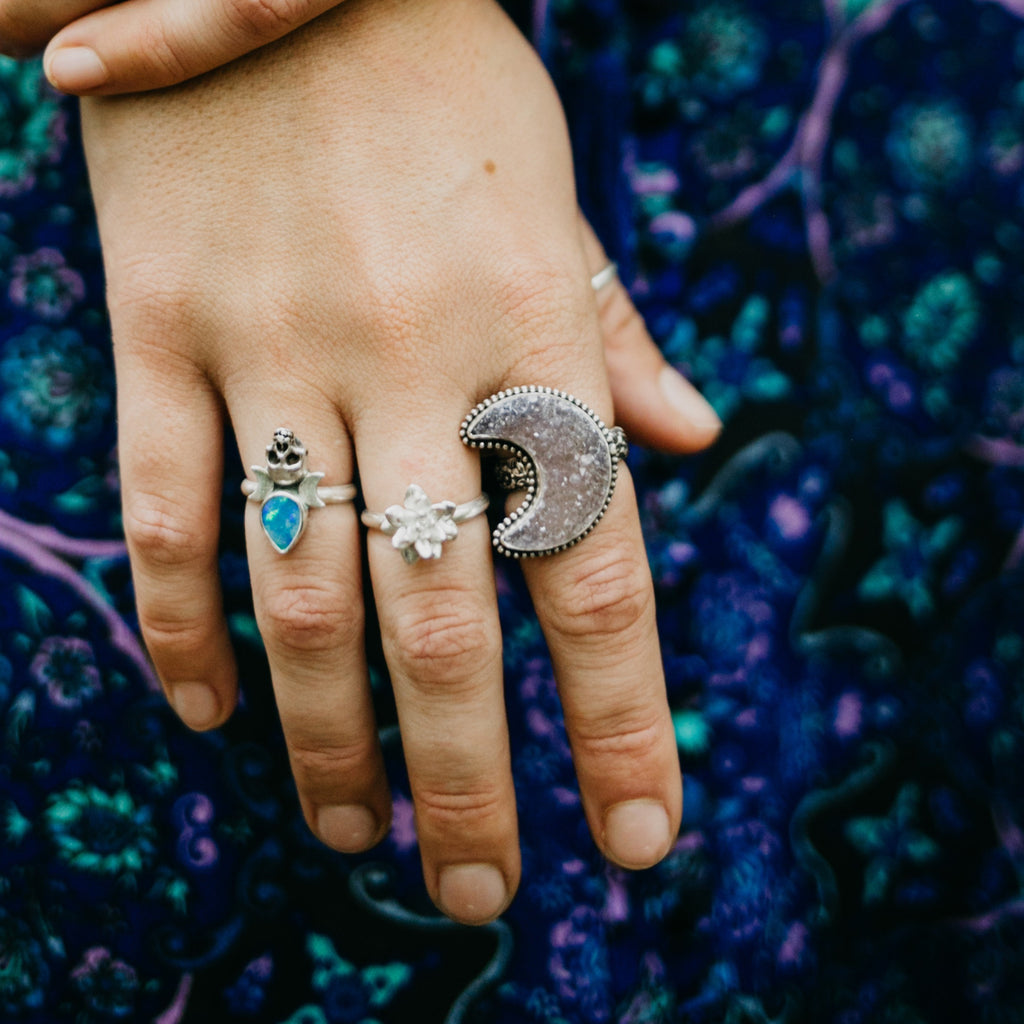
(286, 490)
(419, 528)
(557, 450)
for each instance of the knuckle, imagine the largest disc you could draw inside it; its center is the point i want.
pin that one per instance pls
(159, 536)
(619, 318)
(538, 301)
(610, 595)
(183, 636)
(443, 642)
(148, 297)
(265, 19)
(305, 617)
(474, 808)
(628, 735)
(396, 311)
(328, 763)
(145, 279)
(165, 53)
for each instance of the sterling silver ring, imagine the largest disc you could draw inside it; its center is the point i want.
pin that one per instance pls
(605, 276)
(557, 450)
(419, 528)
(286, 490)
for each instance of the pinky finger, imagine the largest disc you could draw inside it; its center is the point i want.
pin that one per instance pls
(655, 404)
(171, 504)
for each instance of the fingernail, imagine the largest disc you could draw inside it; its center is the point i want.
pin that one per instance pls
(472, 893)
(636, 833)
(196, 704)
(688, 401)
(349, 828)
(75, 69)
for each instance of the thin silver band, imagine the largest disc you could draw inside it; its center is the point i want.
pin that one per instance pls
(605, 276)
(335, 495)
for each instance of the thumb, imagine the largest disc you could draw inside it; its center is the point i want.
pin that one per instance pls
(27, 25)
(657, 406)
(147, 44)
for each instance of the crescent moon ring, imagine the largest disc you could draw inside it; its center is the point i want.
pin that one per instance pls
(556, 449)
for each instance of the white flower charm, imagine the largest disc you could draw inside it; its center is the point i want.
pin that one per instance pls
(418, 528)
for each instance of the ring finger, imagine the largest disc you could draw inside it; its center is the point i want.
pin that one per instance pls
(595, 602)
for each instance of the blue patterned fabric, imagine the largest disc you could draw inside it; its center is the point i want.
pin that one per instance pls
(818, 207)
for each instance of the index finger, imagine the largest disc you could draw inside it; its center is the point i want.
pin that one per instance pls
(27, 25)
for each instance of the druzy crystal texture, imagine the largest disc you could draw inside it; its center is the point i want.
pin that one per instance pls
(573, 460)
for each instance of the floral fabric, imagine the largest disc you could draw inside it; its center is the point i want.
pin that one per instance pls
(818, 207)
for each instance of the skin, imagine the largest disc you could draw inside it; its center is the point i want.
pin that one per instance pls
(360, 232)
(143, 44)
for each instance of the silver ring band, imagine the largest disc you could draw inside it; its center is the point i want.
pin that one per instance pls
(419, 528)
(336, 495)
(467, 510)
(605, 276)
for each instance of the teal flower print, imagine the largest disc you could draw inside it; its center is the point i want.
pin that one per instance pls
(730, 371)
(43, 282)
(1004, 145)
(908, 570)
(693, 732)
(931, 145)
(891, 844)
(65, 666)
(348, 995)
(941, 322)
(718, 55)
(100, 833)
(32, 125)
(106, 985)
(55, 388)
(723, 50)
(23, 971)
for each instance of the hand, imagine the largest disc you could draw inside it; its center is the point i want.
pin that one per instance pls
(359, 233)
(107, 48)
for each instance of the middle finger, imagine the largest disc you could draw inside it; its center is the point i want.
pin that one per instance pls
(442, 641)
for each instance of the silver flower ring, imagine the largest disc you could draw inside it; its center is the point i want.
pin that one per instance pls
(419, 528)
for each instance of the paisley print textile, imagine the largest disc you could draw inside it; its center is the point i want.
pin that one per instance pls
(817, 205)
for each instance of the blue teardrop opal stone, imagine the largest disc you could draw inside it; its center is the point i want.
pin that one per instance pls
(281, 516)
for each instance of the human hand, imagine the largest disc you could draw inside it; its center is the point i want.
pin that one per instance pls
(359, 233)
(98, 47)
